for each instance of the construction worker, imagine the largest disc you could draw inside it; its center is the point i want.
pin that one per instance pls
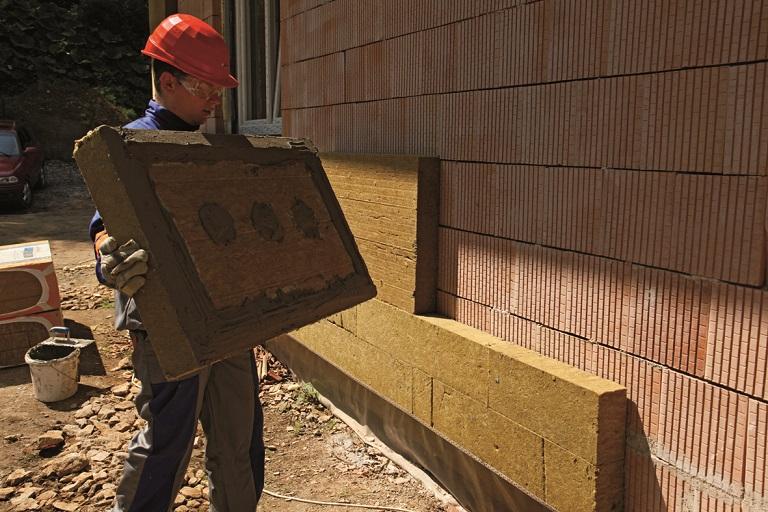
(190, 70)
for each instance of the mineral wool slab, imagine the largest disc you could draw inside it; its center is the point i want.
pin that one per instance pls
(246, 238)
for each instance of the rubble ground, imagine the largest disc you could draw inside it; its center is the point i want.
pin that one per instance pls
(68, 455)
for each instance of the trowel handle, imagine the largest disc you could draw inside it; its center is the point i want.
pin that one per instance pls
(60, 332)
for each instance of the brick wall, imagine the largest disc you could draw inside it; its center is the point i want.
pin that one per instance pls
(603, 196)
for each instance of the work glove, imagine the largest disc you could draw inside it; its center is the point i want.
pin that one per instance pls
(123, 266)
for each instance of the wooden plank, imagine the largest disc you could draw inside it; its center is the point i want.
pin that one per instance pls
(246, 239)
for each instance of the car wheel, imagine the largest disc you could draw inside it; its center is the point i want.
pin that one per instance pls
(26, 196)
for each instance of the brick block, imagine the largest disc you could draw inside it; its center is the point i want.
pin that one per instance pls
(636, 127)
(678, 308)
(513, 450)
(517, 330)
(710, 500)
(290, 8)
(580, 412)
(314, 82)
(576, 352)
(652, 484)
(643, 381)
(212, 12)
(715, 438)
(354, 74)
(623, 122)
(736, 349)
(479, 268)
(643, 45)
(519, 38)
(577, 217)
(756, 456)
(573, 38)
(365, 26)
(318, 23)
(620, 214)
(574, 485)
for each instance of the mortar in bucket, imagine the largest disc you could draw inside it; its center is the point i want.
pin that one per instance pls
(54, 370)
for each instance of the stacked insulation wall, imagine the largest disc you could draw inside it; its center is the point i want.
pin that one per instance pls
(603, 196)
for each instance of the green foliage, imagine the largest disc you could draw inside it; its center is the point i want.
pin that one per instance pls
(93, 42)
(307, 394)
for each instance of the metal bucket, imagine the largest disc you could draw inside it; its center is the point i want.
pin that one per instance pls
(54, 371)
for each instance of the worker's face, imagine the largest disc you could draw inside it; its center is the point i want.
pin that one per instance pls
(191, 99)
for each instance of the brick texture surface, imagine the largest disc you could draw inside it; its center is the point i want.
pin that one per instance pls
(704, 225)
(717, 125)
(715, 331)
(704, 432)
(603, 200)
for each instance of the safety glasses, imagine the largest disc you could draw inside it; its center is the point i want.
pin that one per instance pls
(201, 89)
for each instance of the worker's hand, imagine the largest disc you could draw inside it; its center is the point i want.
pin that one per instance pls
(123, 266)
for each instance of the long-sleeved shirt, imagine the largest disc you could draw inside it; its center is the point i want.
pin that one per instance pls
(156, 117)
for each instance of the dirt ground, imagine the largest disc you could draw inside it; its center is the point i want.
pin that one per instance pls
(310, 454)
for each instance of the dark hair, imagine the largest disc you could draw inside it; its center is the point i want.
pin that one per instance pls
(159, 67)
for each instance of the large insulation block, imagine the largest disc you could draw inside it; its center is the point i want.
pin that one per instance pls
(246, 238)
(28, 282)
(29, 299)
(391, 203)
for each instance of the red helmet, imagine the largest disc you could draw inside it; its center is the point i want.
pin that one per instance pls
(192, 46)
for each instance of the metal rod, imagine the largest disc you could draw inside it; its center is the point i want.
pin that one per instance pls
(276, 104)
(243, 52)
(230, 106)
(269, 58)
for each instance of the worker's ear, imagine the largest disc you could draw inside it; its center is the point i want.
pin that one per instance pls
(168, 83)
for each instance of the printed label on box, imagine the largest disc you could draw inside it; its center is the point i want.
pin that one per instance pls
(24, 253)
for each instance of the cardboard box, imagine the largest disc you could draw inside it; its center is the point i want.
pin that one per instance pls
(28, 282)
(19, 334)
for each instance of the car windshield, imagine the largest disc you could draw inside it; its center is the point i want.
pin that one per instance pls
(9, 144)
